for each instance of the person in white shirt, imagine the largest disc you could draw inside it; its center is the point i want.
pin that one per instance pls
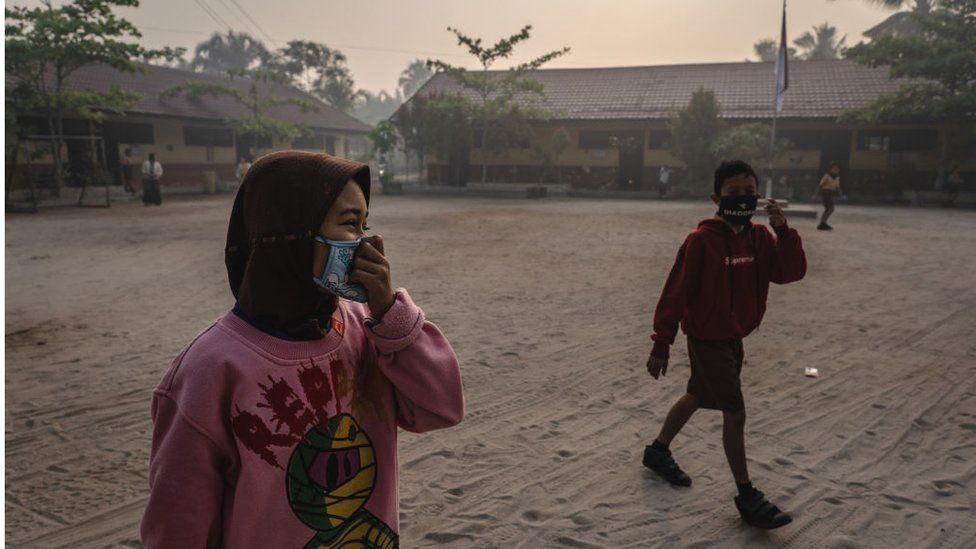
(662, 181)
(242, 167)
(152, 171)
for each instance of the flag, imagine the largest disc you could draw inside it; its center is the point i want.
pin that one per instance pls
(782, 69)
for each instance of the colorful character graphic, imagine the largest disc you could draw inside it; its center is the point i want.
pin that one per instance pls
(332, 469)
(331, 475)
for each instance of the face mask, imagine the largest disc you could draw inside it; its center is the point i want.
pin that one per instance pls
(737, 210)
(335, 277)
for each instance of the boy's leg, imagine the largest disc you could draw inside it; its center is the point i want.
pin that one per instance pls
(827, 213)
(657, 456)
(733, 439)
(679, 414)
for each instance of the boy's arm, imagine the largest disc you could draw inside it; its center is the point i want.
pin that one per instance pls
(789, 263)
(420, 363)
(671, 305)
(185, 483)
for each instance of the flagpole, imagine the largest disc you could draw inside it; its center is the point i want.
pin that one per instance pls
(772, 134)
(772, 143)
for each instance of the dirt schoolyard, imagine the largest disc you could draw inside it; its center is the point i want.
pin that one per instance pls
(548, 304)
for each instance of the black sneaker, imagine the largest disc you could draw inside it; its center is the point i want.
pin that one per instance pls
(758, 511)
(661, 462)
(823, 227)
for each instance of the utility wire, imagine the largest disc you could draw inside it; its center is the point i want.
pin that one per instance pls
(212, 14)
(251, 19)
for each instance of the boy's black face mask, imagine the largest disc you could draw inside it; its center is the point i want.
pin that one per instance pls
(738, 209)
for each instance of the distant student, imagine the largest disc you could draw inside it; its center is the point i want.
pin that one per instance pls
(152, 171)
(277, 426)
(127, 170)
(952, 188)
(828, 189)
(662, 182)
(242, 166)
(717, 293)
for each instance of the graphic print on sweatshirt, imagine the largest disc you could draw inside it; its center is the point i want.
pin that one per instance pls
(332, 469)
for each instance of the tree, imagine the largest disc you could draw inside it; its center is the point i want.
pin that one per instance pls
(941, 58)
(548, 151)
(497, 92)
(900, 23)
(749, 143)
(258, 96)
(694, 130)
(413, 77)
(384, 138)
(373, 108)
(446, 126)
(767, 50)
(223, 53)
(822, 43)
(318, 70)
(410, 120)
(46, 45)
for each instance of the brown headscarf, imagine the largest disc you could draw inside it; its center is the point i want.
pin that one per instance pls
(280, 206)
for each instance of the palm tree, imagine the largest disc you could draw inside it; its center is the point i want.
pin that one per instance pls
(223, 53)
(900, 23)
(414, 76)
(822, 43)
(767, 50)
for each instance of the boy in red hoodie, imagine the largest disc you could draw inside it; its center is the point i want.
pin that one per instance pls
(717, 292)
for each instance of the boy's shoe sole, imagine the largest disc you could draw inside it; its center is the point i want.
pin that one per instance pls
(658, 462)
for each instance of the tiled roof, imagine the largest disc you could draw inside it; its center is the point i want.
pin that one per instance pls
(817, 89)
(157, 79)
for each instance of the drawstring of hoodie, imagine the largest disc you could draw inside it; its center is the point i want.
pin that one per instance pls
(731, 264)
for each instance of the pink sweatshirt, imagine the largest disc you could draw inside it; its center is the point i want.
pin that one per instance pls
(262, 442)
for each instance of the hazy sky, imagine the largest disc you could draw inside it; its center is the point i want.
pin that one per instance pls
(380, 37)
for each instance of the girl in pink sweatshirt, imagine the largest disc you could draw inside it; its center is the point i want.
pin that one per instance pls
(277, 426)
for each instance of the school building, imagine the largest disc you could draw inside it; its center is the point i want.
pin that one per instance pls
(614, 126)
(188, 137)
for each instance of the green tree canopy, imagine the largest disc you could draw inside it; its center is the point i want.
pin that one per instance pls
(45, 45)
(495, 113)
(222, 53)
(822, 43)
(258, 97)
(318, 70)
(694, 131)
(384, 138)
(749, 143)
(413, 77)
(375, 107)
(767, 50)
(941, 57)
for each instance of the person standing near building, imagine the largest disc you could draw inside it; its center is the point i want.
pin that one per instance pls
(127, 170)
(952, 189)
(828, 189)
(152, 171)
(242, 166)
(662, 182)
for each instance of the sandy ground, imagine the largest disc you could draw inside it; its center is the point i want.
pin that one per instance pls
(548, 304)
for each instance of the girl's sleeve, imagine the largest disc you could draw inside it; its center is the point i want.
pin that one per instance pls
(185, 483)
(420, 363)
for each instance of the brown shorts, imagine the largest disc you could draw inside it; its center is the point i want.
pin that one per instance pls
(828, 198)
(715, 369)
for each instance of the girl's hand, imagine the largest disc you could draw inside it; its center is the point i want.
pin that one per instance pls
(372, 270)
(775, 213)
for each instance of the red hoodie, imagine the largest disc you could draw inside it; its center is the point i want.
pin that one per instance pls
(717, 288)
